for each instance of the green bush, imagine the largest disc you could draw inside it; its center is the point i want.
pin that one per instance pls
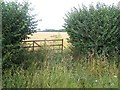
(94, 29)
(15, 57)
(17, 24)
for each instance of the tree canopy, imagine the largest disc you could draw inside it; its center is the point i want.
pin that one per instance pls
(94, 28)
(17, 24)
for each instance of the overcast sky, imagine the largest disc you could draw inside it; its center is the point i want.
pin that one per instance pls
(52, 11)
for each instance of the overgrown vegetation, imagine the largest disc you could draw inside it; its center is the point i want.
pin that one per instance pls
(17, 23)
(43, 68)
(94, 29)
(62, 71)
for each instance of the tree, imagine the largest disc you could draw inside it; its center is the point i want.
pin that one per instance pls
(17, 23)
(94, 29)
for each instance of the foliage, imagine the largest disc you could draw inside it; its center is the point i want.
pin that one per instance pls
(94, 29)
(17, 23)
(15, 57)
(61, 71)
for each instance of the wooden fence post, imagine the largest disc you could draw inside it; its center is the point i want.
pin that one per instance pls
(62, 45)
(45, 42)
(33, 45)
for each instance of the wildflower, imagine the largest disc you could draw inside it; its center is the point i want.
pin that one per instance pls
(96, 80)
(115, 76)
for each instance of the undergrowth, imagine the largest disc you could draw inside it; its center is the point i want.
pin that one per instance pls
(62, 71)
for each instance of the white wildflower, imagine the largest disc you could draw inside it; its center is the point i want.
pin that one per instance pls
(115, 76)
(96, 80)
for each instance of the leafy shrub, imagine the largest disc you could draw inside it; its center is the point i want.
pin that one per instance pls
(94, 29)
(15, 57)
(17, 24)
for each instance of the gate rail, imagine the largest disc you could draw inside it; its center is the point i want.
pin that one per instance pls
(36, 43)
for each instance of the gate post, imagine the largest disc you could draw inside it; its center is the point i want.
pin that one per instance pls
(33, 45)
(62, 45)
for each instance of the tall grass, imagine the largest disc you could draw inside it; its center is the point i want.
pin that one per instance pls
(62, 71)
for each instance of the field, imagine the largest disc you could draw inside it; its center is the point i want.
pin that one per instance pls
(50, 35)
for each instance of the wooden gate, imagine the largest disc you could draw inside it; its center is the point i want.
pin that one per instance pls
(56, 44)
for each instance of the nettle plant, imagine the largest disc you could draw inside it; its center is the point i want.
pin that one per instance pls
(94, 29)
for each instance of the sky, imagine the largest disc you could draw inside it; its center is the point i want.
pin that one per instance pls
(52, 12)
